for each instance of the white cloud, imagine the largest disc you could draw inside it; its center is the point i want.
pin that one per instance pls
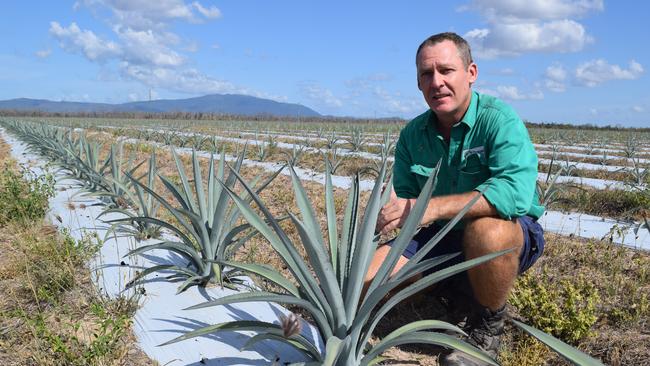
(73, 39)
(364, 84)
(595, 72)
(638, 109)
(395, 103)
(525, 26)
(148, 47)
(517, 38)
(144, 48)
(369, 90)
(210, 13)
(150, 94)
(188, 80)
(147, 14)
(555, 77)
(191, 47)
(505, 71)
(510, 92)
(320, 95)
(137, 47)
(517, 10)
(43, 53)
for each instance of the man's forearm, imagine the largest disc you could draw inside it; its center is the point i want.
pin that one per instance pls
(446, 207)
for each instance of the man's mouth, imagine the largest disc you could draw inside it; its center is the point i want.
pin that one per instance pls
(440, 96)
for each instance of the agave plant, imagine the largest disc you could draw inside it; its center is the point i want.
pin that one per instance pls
(213, 142)
(206, 226)
(330, 287)
(638, 174)
(117, 189)
(604, 158)
(356, 139)
(331, 139)
(85, 165)
(631, 147)
(145, 206)
(197, 140)
(146, 134)
(295, 154)
(183, 140)
(387, 149)
(272, 140)
(261, 150)
(549, 192)
(169, 137)
(333, 160)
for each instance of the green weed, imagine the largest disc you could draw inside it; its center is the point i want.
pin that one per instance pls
(565, 309)
(23, 196)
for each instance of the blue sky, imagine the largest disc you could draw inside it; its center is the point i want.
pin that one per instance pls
(582, 61)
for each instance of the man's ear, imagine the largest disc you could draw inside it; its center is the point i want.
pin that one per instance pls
(473, 73)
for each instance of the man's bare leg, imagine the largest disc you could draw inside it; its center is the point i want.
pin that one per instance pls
(377, 260)
(491, 281)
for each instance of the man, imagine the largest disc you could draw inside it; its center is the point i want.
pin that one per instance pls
(483, 145)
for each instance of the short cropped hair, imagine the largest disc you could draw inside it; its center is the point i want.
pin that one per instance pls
(464, 50)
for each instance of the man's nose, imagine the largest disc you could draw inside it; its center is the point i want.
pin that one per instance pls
(436, 80)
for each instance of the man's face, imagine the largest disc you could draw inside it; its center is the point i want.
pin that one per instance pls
(444, 81)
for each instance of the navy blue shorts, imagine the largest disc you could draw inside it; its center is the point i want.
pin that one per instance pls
(452, 243)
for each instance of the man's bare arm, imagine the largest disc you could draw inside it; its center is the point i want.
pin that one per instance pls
(395, 212)
(446, 207)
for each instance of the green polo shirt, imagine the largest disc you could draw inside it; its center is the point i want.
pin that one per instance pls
(489, 148)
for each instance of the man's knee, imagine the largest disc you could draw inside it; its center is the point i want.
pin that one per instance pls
(490, 234)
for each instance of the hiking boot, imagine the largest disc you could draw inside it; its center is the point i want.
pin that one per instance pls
(484, 330)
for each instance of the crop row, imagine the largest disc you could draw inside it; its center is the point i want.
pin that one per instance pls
(328, 284)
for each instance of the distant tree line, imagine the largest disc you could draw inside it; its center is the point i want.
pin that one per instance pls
(202, 116)
(586, 126)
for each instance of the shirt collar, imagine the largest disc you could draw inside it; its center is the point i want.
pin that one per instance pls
(469, 118)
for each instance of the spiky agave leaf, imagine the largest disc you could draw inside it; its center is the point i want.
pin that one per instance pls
(569, 353)
(206, 223)
(319, 291)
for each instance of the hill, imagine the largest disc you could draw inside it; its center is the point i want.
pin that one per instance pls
(215, 103)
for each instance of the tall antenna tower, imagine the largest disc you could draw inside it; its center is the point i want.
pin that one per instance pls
(150, 94)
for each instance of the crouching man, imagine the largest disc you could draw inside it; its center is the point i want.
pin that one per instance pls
(482, 144)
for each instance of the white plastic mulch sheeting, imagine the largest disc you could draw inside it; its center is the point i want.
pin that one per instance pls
(579, 224)
(344, 182)
(595, 227)
(161, 316)
(592, 182)
(270, 166)
(587, 166)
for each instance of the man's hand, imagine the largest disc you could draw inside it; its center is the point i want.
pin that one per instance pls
(394, 213)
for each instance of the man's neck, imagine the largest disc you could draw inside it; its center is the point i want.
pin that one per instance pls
(445, 130)
(445, 123)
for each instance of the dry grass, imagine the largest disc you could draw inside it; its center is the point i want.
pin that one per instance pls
(50, 312)
(617, 204)
(621, 276)
(619, 336)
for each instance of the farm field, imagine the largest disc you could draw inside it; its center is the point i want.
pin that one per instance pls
(593, 183)
(617, 170)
